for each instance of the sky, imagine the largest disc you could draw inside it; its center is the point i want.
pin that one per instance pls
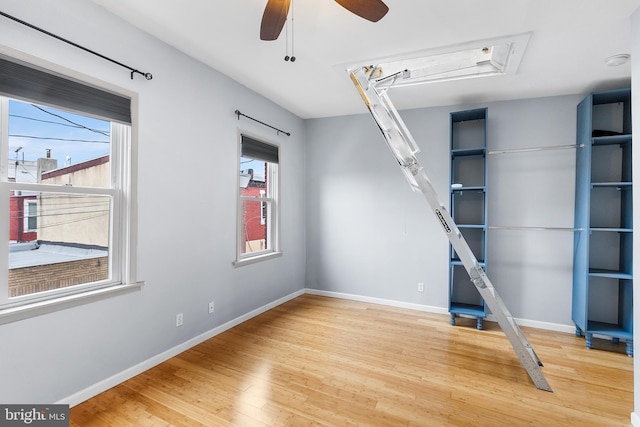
(33, 129)
(256, 165)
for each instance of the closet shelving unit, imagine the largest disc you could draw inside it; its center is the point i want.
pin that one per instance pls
(468, 206)
(602, 269)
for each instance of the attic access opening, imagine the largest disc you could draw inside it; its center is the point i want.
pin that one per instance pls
(480, 58)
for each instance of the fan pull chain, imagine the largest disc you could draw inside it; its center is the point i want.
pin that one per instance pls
(291, 58)
(286, 40)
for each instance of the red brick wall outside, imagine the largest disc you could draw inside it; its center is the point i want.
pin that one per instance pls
(252, 216)
(30, 280)
(16, 220)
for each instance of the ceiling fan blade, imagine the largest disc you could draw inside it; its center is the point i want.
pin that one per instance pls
(273, 19)
(371, 10)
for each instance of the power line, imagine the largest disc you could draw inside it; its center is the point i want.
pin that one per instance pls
(94, 213)
(59, 139)
(59, 224)
(26, 170)
(106, 133)
(67, 120)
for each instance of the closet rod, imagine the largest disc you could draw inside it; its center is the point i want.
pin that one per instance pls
(526, 150)
(507, 227)
(147, 76)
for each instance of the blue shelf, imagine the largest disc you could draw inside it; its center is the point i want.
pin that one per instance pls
(622, 184)
(477, 226)
(474, 151)
(602, 299)
(458, 262)
(469, 188)
(609, 329)
(611, 140)
(611, 274)
(468, 207)
(468, 309)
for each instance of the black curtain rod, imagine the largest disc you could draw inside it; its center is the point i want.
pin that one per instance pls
(238, 113)
(147, 76)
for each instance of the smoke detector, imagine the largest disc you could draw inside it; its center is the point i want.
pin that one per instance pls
(617, 60)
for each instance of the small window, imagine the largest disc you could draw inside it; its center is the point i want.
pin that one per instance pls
(31, 215)
(257, 200)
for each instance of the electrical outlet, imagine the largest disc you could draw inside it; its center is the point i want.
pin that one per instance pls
(420, 287)
(179, 319)
(211, 307)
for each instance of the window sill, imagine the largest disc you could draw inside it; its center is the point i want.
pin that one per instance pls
(25, 311)
(257, 258)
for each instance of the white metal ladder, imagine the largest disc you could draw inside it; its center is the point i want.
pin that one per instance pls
(374, 94)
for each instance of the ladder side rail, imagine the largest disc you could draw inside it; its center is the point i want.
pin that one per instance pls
(404, 148)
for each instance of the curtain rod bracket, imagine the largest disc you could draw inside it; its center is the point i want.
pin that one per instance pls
(278, 131)
(147, 76)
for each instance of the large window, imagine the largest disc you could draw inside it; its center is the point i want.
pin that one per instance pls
(64, 186)
(257, 200)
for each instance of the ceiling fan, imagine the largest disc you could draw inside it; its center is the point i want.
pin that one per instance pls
(276, 11)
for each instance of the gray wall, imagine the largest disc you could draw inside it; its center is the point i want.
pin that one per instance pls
(187, 178)
(370, 235)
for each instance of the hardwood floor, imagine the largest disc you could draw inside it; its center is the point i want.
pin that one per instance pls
(332, 362)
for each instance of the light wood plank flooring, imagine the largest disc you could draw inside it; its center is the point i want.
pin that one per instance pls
(331, 362)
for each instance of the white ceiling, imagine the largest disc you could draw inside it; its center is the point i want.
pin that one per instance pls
(565, 55)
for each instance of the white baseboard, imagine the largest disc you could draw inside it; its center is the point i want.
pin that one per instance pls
(381, 301)
(120, 377)
(557, 327)
(635, 419)
(438, 310)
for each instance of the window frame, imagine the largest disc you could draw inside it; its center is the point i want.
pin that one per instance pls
(272, 200)
(122, 191)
